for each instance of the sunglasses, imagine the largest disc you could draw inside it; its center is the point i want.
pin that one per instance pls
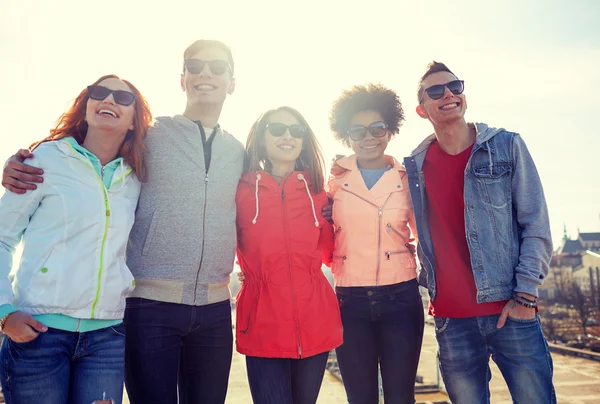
(217, 67)
(359, 132)
(278, 129)
(121, 97)
(437, 91)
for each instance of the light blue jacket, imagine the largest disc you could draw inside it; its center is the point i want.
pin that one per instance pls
(506, 217)
(74, 234)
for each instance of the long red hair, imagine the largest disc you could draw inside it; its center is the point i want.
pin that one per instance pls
(72, 123)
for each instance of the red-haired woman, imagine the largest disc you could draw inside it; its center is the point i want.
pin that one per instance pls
(287, 314)
(61, 308)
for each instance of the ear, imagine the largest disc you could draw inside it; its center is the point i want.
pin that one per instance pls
(421, 112)
(231, 87)
(182, 82)
(132, 126)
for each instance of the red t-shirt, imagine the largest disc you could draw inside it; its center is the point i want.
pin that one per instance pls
(444, 184)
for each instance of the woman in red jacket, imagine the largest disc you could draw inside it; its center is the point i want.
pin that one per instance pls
(287, 313)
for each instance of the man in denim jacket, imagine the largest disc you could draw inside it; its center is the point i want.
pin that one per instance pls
(484, 246)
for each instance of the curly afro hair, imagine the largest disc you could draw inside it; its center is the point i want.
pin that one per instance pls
(369, 97)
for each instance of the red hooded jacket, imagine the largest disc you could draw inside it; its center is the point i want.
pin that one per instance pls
(286, 307)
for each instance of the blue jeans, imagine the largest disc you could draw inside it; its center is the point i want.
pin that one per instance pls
(519, 349)
(63, 367)
(286, 381)
(177, 350)
(383, 325)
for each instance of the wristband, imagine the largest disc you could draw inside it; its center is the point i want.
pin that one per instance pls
(524, 302)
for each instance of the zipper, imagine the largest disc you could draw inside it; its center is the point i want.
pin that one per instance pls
(78, 325)
(388, 254)
(391, 229)
(107, 212)
(380, 214)
(379, 240)
(203, 236)
(102, 172)
(287, 244)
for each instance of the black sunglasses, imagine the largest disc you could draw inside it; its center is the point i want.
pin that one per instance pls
(437, 91)
(359, 132)
(278, 129)
(217, 67)
(121, 97)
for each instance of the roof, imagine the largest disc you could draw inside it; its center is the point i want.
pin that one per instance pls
(589, 236)
(571, 246)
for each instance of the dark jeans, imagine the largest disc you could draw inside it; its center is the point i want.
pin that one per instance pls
(286, 381)
(519, 349)
(63, 367)
(171, 345)
(383, 325)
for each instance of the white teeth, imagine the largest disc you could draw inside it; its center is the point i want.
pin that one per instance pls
(107, 112)
(204, 87)
(286, 147)
(370, 147)
(450, 106)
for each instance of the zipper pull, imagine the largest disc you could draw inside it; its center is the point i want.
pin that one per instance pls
(107, 212)
(381, 211)
(206, 178)
(387, 254)
(102, 172)
(389, 227)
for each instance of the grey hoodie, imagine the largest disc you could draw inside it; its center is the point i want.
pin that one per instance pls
(182, 245)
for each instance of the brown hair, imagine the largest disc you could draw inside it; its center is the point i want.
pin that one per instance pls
(72, 123)
(433, 67)
(310, 159)
(208, 43)
(370, 97)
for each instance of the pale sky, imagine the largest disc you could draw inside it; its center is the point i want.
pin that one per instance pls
(529, 66)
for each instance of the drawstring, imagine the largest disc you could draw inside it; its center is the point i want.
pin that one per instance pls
(256, 197)
(312, 203)
(490, 156)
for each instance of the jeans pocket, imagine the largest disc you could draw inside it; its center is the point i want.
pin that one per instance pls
(524, 320)
(441, 323)
(118, 329)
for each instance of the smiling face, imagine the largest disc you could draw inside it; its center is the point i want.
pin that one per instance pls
(284, 149)
(206, 87)
(107, 115)
(449, 108)
(370, 151)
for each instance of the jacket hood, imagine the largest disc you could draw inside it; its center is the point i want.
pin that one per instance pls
(484, 133)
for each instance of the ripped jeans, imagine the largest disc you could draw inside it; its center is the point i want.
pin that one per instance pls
(63, 367)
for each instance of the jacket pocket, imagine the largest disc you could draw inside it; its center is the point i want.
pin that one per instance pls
(246, 314)
(405, 258)
(494, 183)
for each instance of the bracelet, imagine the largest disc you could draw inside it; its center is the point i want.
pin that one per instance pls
(524, 298)
(524, 302)
(3, 320)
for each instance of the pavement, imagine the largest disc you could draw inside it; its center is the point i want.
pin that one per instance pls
(576, 380)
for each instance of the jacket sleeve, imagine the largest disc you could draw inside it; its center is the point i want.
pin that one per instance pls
(529, 204)
(327, 243)
(15, 213)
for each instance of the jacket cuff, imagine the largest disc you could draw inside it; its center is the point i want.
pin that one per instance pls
(524, 286)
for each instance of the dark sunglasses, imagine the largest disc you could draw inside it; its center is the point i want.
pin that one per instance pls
(278, 129)
(121, 97)
(217, 67)
(376, 129)
(437, 91)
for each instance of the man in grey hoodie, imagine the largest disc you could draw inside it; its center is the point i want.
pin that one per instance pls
(182, 245)
(484, 246)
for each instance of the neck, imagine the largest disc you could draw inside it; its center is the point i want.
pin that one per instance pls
(282, 169)
(105, 146)
(208, 115)
(456, 137)
(375, 164)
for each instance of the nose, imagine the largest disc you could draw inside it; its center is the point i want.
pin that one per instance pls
(109, 99)
(447, 92)
(206, 72)
(287, 134)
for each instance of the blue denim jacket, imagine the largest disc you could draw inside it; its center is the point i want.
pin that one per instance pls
(506, 217)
